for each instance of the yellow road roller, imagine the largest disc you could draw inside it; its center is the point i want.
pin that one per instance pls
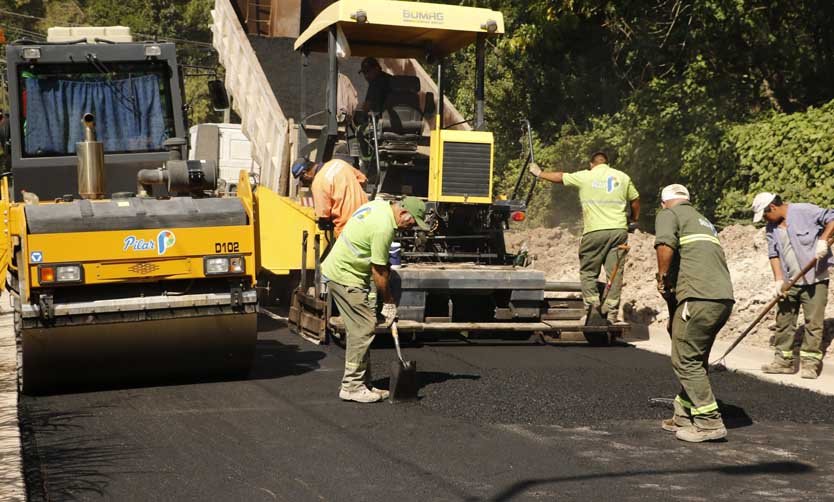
(124, 261)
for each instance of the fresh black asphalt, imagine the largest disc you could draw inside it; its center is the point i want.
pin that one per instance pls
(496, 421)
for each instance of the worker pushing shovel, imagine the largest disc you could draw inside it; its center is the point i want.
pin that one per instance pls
(796, 233)
(369, 232)
(780, 295)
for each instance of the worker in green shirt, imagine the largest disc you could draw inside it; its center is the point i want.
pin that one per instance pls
(605, 193)
(360, 253)
(691, 267)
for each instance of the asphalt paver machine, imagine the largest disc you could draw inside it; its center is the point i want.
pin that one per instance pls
(123, 261)
(458, 277)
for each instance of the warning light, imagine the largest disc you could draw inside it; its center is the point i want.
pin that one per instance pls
(518, 216)
(47, 274)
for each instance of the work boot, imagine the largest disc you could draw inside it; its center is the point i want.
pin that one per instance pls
(612, 316)
(673, 425)
(694, 434)
(382, 392)
(810, 370)
(361, 395)
(780, 365)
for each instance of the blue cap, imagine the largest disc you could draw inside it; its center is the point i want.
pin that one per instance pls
(299, 166)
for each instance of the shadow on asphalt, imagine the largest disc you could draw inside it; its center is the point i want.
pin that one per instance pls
(426, 378)
(274, 359)
(734, 417)
(759, 469)
(77, 465)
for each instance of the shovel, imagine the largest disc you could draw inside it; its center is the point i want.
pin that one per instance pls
(403, 383)
(622, 251)
(719, 363)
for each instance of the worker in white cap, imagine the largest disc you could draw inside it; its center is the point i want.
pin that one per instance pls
(797, 234)
(692, 270)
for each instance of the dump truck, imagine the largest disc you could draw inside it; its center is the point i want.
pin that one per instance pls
(122, 261)
(459, 277)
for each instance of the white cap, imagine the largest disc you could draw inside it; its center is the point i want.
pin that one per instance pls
(760, 203)
(675, 191)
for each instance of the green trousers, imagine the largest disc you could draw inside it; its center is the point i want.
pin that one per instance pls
(599, 249)
(359, 317)
(812, 299)
(694, 327)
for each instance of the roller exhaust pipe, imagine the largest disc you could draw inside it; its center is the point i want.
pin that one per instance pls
(90, 154)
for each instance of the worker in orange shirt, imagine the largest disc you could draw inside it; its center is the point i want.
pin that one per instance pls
(336, 187)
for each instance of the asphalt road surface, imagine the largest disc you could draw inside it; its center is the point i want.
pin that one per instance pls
(495, 422)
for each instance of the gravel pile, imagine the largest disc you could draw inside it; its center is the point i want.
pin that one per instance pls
(556, 253)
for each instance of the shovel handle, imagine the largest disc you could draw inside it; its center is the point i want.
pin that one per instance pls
(772, 303)
(622, 250)
(395, 334)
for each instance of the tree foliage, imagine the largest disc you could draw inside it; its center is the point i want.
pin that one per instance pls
(672, 89)
(186, 22)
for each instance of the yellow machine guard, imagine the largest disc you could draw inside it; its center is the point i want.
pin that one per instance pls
(281, 224)
(438, 138)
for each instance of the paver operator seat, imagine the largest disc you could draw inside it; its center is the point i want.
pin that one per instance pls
(401, 123)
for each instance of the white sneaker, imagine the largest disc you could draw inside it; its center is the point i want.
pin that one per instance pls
(362, 395)
(382, 392)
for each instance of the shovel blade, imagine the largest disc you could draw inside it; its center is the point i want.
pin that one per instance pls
(403, 384)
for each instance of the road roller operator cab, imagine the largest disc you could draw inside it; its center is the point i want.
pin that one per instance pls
(125, 261)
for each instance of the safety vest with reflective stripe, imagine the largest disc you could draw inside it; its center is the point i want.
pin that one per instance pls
(699, 270)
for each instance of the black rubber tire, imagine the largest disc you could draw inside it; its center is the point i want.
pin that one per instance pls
(598, 339)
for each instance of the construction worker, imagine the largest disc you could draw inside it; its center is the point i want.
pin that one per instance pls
(379, 84)
(336, 187)
(692, 267)
(362, 253)
(797, 234)
(604, 193)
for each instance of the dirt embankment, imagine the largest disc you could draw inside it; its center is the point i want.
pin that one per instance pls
(556, 252)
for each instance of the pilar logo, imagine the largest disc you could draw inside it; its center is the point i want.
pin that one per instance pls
(164, 241)
(609, 185)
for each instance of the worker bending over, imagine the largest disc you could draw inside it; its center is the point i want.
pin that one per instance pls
(796, 235)
(692, 268)
(361, 253)
(604, 193)
(336, 188)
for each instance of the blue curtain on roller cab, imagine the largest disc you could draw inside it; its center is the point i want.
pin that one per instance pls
(129, 116)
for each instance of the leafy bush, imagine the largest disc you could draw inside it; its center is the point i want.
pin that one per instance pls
(790, 154)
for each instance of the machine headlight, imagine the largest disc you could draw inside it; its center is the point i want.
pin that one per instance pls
(59, 273)
(31, 53)
(153, 51)
(221, 265)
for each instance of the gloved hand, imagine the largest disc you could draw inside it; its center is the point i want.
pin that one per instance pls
(325, 224)
(535, 170)
(632, 227)
(389, 312)
(777, 287)
(821, 250)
